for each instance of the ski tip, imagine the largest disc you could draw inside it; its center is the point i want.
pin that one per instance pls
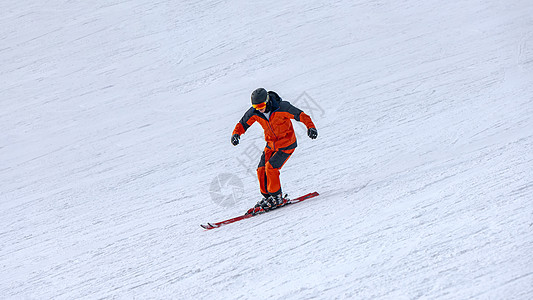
(207, 227)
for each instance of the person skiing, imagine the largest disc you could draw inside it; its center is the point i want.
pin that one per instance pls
(274, 115)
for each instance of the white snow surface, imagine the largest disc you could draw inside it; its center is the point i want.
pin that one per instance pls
(116, 119)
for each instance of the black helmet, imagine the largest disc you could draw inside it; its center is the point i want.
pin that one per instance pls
(260, 95)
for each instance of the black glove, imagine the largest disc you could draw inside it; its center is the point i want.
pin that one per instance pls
(235, 139)
(312, 133)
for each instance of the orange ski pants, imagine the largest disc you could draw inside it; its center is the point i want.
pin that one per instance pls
(268, 170)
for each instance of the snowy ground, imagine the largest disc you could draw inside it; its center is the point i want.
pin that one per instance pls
(116, 118)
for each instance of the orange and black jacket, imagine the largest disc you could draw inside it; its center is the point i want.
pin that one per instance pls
(279, 132)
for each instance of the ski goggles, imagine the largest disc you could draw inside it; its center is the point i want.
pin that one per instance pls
(260, 106)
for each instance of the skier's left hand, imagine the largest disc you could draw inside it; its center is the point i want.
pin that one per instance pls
(312, 133)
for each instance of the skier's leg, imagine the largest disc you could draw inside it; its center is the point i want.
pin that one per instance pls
(261, 172)
(272, 168)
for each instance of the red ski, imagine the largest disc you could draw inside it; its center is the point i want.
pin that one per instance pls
(233, 220)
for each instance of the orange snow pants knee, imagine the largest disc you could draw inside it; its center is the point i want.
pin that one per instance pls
(268, 170)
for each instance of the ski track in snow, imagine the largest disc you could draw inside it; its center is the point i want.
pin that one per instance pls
(116, 117)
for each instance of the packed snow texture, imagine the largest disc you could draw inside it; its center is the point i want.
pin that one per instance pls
(116, 122)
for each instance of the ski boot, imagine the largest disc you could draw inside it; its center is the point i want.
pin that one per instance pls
(278, 201)
(259, 207)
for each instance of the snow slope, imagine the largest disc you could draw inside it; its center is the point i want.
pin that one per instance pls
(116, 118)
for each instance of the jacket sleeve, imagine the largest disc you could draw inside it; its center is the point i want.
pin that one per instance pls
(246, 121)
(304, 118)
(299, 115)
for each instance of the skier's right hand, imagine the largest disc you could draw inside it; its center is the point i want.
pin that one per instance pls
(235, 139)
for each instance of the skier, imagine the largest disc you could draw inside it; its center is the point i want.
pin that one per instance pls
(275, 116)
